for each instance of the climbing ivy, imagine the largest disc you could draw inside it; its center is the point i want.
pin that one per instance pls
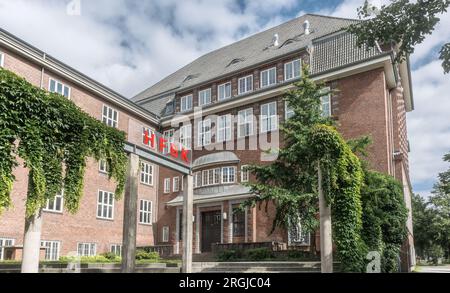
(54, 138)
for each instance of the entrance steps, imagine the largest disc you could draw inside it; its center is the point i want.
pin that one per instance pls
(257, 267)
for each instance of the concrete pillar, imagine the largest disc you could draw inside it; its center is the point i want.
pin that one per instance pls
(130, 215)
(326, 243)
(32, 243)
(188, 200)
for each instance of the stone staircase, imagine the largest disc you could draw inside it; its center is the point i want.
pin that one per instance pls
(257, 267)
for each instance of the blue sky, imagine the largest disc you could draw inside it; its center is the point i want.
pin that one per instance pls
(129, 45)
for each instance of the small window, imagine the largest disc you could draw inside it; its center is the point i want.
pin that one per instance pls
(116, 249)
(325, 104)
(87, 249)
(224, 91)
(204, 97)
(145, 212)
(268, 77)
(56, 204)
(288, 111)
(269, 117)
(197, 179)
(245, 122)
(59, 88)
(292, 69)
(103, 166)
(110, 116)
(169, 136)
(228, 174)
(244, 173)
(224, 128)
(2, 59)
(245, 84)
(146, 173)
(176, 184)
(185, 136)
(5, 242)
(210, 177)
(186, 103)
(105, 205)
(51, 249)
(204, 132)
(165, 234)
(166, 185)
(238, 223)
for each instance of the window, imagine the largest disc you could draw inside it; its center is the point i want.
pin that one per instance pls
(244, 173)
(204, 132)
(185, 136)
(269, 117)
(292, 69)
(2, 59)
(5, 242)
(55, 204)
(228, 174)
(204, 97)
(110, 116)
(224, 91)
(245, 84)
(238, 223)
(146, 173)
(145, 212)
(166, 185)
(245, 122)
(268, 77)
(325, 105)
(186, 103)
(224, 128)
(211, 176)
(169, 136)
(116, 249)
(51, 249)
(87, 249)
(176, 184)
(197, 179)
(59, 88)
(296, 236)
(103, 166)
(288, 111)
(147, 136)
(105, 205)
(165, 234)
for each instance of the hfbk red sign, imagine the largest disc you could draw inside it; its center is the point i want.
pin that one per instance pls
(170, 149)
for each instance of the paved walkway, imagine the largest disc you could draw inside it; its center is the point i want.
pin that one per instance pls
(434, 269)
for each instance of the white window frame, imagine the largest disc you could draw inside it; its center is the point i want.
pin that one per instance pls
(103, 166)
(63, 87)
(165, 234)
(204, 97)
(245, 118)
(105, 203)
(267, 119)
(116, 249)
(110, 121)
(224, 129)
(197, 179)
(186, 136)
(145, 212)
(210, 177)
(51, 208)
(90, 247)
(2, 59)
(287, 111)
(204, 136)
(176, 184)
(292, 73)
(52, 249)
(322, 102)
(224, 87)
(245, 174)
(248, 87)
(262, 85)
(226, 175)
(3, 245)
(166, 185)
(186, 103)
(146, 174)
(169, 135)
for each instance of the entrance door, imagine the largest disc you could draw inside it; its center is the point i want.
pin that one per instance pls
(211, 229)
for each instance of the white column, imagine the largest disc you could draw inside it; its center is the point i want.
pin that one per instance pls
(326, 244)
(32, 243)
(188, 200)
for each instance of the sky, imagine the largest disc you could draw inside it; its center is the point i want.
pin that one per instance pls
(130, 45)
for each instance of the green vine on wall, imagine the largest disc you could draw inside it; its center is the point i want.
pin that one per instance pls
(54, 137)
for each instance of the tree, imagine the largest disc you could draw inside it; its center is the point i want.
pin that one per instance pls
(313, 147)
(423, 225)
(401, 25)
(54, 138)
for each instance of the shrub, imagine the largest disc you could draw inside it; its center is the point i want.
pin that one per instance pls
(259, 254)
(435, 253)
(141, 254)
(229, 255)
(111, 256)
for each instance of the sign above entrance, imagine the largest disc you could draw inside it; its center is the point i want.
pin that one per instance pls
(167, 146)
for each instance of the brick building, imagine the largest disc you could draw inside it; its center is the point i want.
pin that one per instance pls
(239, 90)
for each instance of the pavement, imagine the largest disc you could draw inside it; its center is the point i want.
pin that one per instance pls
(433, 269)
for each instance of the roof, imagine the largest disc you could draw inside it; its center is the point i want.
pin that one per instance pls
(245, 53)
(215, 158)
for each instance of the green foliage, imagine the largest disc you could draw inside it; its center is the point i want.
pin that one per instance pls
(90, 259)
(435, 252)
(229, 255)
(255, 254)
(142, 254)
(111, 256)
(259, 254)
(54, 137)
(402, 23)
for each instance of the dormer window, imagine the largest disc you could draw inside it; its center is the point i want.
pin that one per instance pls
(235, 61)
